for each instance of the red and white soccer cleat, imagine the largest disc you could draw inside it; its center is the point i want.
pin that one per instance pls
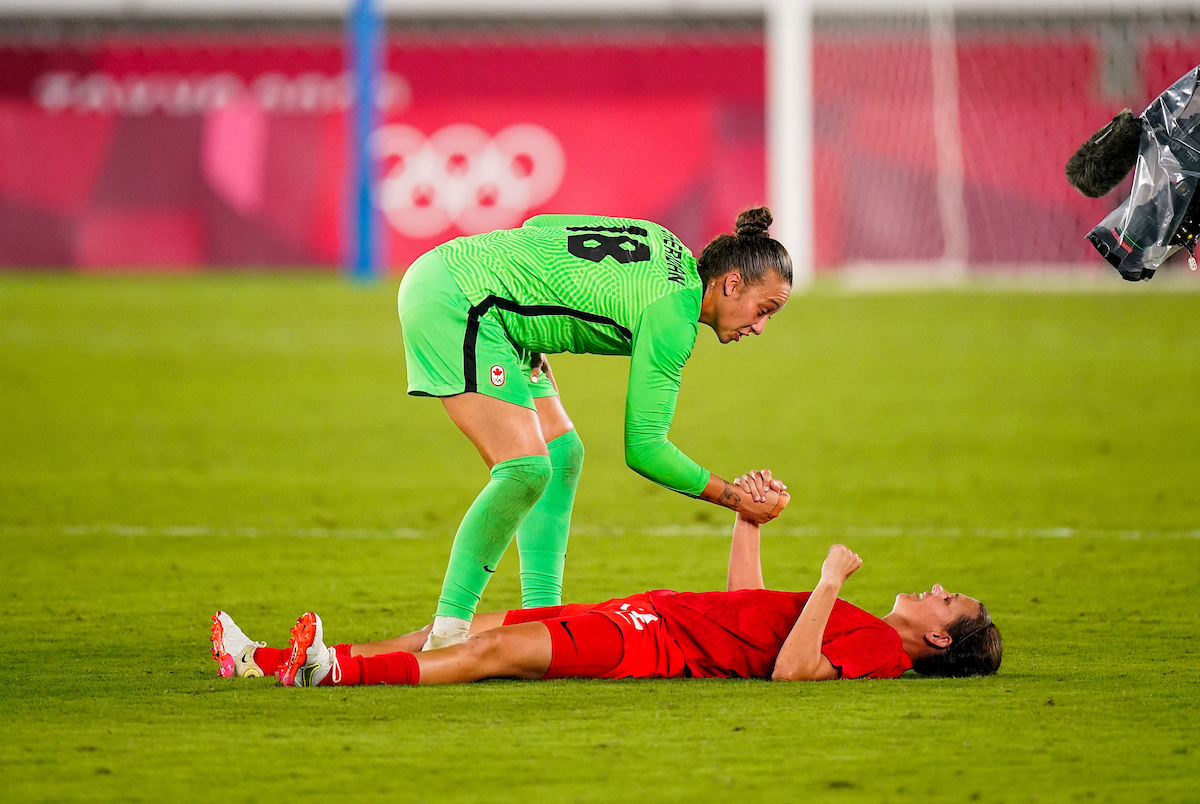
(233, 650)
(310, 661)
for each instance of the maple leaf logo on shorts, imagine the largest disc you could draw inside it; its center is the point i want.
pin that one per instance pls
(497, 376)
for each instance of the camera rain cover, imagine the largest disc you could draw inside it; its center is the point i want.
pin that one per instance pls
(1138, 236)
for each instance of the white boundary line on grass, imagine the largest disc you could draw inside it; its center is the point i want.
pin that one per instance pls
(814, 531)
(865, 278)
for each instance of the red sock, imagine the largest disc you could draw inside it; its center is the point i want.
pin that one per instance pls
(386, 668)
(271, 659)
(391, 668)
(346, 673)
(342, 650)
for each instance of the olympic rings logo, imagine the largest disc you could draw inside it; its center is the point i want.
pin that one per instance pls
(459, 176)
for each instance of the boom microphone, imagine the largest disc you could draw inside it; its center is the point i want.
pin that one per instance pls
(1107, 157)
(1162, 213)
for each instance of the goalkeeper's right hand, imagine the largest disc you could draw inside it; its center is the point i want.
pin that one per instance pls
(758, 482)
(768, 497)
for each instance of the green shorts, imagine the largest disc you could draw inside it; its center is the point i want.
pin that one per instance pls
(450, 349)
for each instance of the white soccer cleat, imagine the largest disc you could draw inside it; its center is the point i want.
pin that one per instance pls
(310, 661)
(233, 650)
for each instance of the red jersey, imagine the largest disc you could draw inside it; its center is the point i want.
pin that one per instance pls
(739, 634)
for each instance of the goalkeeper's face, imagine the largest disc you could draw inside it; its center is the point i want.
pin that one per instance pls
(743, 309)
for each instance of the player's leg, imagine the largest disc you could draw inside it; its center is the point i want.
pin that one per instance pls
(588, 645)
(485, 621)
(413, 642)
(500, 430)
(462, 354)
(516, 651)
(238, 656)
(509, 439)
(583, 646)
(512, 651)
(542, 537)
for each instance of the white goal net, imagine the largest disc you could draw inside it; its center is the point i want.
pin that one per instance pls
(940, 138)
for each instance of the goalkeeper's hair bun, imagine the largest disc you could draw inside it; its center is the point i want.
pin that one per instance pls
(753, 222)
(1107, 157)
(750, 250)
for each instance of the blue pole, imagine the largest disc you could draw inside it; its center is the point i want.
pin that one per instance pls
(364, 54)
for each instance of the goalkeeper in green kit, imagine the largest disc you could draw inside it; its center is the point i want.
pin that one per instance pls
(479, 314)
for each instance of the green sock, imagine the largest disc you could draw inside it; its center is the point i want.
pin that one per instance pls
(542, 537)
(487, 529)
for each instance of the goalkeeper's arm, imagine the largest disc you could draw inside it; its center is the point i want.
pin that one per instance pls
(655, 370)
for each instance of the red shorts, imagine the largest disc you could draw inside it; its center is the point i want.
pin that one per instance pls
(621, 638)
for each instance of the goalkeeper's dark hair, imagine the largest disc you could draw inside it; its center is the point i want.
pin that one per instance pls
(975, 650)
(749, 250)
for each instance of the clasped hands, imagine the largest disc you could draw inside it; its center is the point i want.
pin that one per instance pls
(765, 499)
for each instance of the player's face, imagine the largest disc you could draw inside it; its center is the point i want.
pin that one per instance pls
(744, 309)
(936, 609)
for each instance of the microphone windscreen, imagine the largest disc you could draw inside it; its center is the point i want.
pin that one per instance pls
(1107, 157)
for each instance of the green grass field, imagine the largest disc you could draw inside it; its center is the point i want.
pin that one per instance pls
(173, 445)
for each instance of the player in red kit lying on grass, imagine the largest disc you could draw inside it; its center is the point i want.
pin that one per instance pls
(745, 632)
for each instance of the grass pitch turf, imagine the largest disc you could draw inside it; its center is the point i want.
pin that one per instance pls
(171, 445)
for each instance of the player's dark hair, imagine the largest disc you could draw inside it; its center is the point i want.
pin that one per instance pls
(975, 649)
(749, 250)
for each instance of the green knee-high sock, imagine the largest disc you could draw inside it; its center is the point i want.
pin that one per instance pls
(542, 537)
(487, 529)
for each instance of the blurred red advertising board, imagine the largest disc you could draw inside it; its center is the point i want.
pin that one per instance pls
(193, 151)
(125, 152)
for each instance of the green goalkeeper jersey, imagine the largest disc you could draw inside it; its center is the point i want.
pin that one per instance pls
(589, 284)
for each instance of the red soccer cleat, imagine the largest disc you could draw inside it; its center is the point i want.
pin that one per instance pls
(310, 661)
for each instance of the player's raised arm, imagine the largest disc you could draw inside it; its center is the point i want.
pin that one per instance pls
(800, 658)
(745, 564)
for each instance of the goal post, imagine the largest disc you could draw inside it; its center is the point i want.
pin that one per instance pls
(364, 57)
(789, 130)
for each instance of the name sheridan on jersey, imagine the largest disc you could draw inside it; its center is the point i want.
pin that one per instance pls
(673, 251)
